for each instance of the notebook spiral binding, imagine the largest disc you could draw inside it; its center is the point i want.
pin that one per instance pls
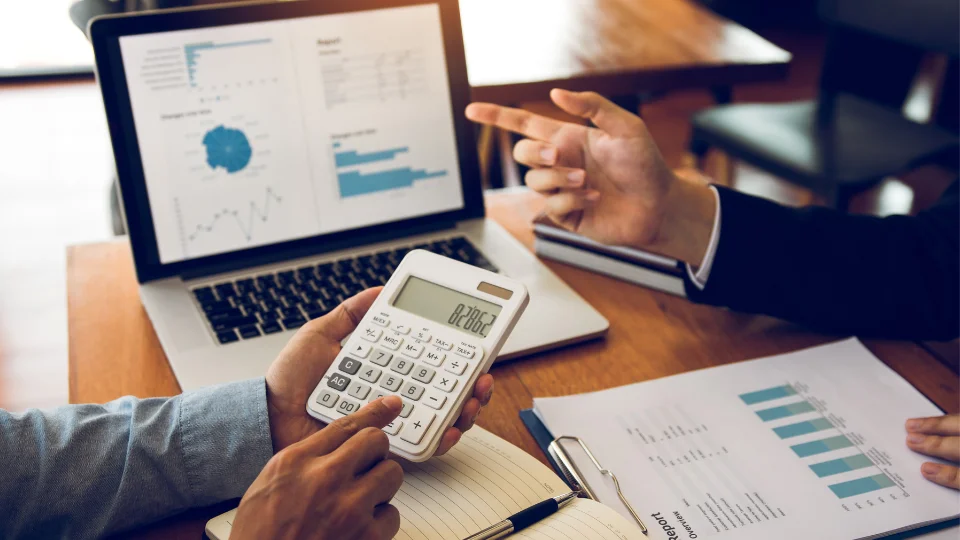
(575, 478)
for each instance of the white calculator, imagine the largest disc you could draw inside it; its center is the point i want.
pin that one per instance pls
(436, 327)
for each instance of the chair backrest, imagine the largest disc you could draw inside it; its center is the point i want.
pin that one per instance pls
(875, 46)
(929, 25)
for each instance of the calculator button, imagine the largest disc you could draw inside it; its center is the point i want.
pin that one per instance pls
(359, 390)
(327, 398)
(401, 328)
(371, 333)
(393, 427)
(456, 366)
(370, 374)
(381, 358)
(377, 394)
(423, 374)
(349, 366)
(434, 357)
(401, 365)
(412, 391)
(422, 335)
(346, 406)
(391, 341)
(443, 344)
(416, 426)
(360, 349)
(407, 409)
(391, 383)
(464, 350)
(380, 319)
(434, 399)
(338, 382)
(413, 350)
(445, 382)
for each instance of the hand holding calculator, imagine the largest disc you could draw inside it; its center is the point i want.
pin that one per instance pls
(436, 327)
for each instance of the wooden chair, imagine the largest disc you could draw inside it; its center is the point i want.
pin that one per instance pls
(854, 134)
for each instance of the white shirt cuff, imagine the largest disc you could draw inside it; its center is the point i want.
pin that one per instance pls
(702, 274)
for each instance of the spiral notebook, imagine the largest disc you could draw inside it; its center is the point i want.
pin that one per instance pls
(481, 481)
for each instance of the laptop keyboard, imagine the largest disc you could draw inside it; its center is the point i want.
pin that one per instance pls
(253, 306)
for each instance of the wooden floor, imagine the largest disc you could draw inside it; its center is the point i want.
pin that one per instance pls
(55, 170)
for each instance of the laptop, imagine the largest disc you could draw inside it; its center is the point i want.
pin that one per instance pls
(276, 158)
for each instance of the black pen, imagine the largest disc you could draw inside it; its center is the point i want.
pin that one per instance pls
(524, 518)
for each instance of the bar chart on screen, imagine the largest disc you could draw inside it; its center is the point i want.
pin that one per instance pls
(213, 65)
(378, 167)
(859, 474)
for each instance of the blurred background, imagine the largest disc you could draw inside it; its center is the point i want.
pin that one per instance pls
(56, 168)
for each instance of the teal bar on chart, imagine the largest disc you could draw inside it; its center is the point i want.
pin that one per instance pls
(784, 411)
(802, 428)
(842, 465)
(354, 183)
(193, 51)
(350, 158)
(861, 486)
(813, 448)
(776, 392)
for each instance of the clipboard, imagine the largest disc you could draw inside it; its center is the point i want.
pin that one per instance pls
(558, 458)
(566, 468)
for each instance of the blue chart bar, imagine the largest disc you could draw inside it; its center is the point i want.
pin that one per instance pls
(776, 413)
(802, 428)
(824, 445)
(352, 157)
(776, 392)
(862, 485)
(192, 52)
(355, 183)
(842, 465)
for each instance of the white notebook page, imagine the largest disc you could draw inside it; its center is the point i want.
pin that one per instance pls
(481, 481)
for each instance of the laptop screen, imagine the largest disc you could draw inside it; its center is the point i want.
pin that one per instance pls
(260, 133)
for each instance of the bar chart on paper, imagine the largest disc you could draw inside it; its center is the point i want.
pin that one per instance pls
(364, 172)
(857, 473)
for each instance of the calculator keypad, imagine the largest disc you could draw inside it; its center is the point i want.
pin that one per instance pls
(388, 356)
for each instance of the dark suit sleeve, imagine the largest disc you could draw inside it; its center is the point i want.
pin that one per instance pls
(896, 277)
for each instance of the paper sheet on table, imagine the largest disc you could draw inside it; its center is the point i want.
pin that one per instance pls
(803, 445)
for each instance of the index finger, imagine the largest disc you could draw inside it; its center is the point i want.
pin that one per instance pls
(516, 120)
(375, 414)
(936, 425)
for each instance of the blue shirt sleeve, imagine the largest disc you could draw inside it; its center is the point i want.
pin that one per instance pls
(86, 471)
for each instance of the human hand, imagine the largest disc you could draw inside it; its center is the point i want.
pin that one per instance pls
(608, 182)
(301, 365)
(938, 436)
(335, 484)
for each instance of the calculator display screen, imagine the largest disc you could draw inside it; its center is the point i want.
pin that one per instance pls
(446, 306)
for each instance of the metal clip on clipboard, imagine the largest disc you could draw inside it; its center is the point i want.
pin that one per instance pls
(573, 475)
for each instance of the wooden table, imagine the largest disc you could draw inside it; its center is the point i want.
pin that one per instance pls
(114, 350)
(517, 50)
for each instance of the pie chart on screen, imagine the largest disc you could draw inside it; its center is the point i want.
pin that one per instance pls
(227, 148)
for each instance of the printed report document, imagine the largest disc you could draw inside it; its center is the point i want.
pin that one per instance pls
(804, 445)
